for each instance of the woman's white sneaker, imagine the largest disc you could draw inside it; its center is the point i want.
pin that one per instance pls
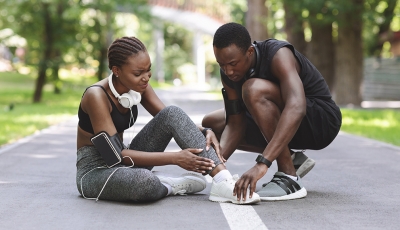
(187, 183)
(223, 192)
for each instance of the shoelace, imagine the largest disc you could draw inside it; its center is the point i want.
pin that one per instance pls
(182, 192)
(275, 180)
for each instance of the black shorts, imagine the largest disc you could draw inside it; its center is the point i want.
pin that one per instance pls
(318, 129)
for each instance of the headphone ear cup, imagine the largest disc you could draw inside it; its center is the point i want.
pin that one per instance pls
(251, 73)
(136, 97)
(126, 100)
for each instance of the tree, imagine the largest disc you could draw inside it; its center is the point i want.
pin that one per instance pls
(379, 15)
(321, 50)
(349, 53)
(99, 26)
(256, 19)
(49, 28)
(294, 28)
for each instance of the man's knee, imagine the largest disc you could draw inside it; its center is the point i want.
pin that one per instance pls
(214, 119)
(256, 91)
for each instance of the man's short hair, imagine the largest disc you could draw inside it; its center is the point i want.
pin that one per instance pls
(232, 33)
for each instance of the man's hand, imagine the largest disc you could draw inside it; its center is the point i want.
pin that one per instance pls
(212, 140)
(249, 178)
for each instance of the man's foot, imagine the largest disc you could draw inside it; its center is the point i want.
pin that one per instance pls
(223, 192)
(281, 187)
(302, 163)
(187, 183)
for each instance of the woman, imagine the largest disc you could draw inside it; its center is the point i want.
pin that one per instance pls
(109, 107)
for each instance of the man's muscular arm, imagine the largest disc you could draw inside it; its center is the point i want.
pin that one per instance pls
(234, 129)
(286, 69)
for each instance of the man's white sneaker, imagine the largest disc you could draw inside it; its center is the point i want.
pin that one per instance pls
(223, 192)
(187, 183)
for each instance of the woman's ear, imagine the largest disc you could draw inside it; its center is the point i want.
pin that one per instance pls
(115, 70)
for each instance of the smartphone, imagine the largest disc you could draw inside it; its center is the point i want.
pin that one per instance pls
(107, 148)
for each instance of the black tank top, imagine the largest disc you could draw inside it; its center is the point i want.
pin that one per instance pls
(121, 121)
(314, 84)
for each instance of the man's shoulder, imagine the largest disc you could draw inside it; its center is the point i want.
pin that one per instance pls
(272, 41)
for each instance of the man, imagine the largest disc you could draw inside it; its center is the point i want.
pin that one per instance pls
(275, 101)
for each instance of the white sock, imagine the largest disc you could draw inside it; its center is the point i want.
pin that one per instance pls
(168, 187)
(295, 178)
(222, 175)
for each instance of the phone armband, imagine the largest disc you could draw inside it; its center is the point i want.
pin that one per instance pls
(109, 147)
(232, 107)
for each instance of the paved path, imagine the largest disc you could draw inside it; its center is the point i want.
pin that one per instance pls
(354, 185)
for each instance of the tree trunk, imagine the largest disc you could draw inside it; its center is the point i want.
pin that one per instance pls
(256, 19)
(294, 28)
(56, 79)
(349, 57)
(102, 63)
(40, 81)
(43, 65)
(321, 51)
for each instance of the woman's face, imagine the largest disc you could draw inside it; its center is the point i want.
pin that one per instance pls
(135, 73)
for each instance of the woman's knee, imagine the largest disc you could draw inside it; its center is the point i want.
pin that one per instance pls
(171, 109)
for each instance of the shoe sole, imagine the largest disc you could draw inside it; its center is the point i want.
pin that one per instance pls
(225, 200)
(297, 195)
(305, 167)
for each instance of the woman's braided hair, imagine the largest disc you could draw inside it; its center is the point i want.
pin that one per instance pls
(121, 49)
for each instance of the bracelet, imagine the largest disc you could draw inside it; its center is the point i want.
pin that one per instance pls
(204, 131)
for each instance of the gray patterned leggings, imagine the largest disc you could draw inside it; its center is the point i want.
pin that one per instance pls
(138, 184)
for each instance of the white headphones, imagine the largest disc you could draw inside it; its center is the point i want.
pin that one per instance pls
(127, 100)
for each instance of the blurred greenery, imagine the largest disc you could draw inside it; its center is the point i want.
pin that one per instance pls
(19, 117)
(379, 124)
(70, 38)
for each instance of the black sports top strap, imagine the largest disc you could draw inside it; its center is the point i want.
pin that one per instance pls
(121, 120)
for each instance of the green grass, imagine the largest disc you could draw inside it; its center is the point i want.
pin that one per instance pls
(27, 118)
(382, 124)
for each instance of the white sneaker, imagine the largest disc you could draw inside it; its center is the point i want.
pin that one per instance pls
(187, 183)
(223, 192)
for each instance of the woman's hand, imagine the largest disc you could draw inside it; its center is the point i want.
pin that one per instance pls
(212, 140)
(188, 159)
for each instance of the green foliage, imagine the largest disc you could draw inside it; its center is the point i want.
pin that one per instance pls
(238, 9)
(19, 117)
(178, 49)
(383, 125)
(377, 19)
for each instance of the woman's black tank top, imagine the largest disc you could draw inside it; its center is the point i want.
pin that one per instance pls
(121, 121)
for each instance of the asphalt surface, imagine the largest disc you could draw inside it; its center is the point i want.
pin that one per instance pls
(354, 185)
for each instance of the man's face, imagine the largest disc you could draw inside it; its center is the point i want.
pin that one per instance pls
(233, 61)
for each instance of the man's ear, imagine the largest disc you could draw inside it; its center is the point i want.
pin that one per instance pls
(250, 50)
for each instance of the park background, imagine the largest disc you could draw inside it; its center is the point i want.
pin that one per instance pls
(51, 50)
